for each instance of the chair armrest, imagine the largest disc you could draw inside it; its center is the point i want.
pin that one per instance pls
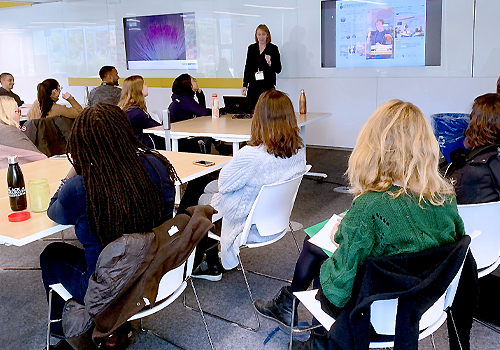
(59, 289)
(213, 236)
(474, 234)
(308, 299)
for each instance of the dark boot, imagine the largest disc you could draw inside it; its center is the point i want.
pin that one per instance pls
(317, 341)
(279, 309)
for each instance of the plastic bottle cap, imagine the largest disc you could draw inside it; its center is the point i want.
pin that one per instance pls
(12, 159)
(214, 95)
(19, 216)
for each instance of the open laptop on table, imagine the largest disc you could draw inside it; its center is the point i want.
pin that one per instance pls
(238, 105)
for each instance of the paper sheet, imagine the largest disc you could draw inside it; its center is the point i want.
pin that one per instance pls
(322, 238)
(308, 298)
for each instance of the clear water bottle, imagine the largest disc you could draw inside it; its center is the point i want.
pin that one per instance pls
(15, 184)
(215, 106)
(302, 102)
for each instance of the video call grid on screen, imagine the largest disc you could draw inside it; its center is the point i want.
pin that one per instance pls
(381, 33)
(166, 41)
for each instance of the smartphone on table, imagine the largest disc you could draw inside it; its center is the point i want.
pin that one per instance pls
(203, 162)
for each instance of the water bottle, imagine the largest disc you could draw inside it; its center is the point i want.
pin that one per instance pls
(15, 184)
(302, 102)
(215, 106)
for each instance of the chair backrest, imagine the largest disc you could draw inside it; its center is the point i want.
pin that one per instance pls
(272, 208)
(483, 217)
(383, 312)
(174, 278)
(172, 284)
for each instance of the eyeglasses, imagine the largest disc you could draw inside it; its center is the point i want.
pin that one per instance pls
(18, 111)
(60, 88)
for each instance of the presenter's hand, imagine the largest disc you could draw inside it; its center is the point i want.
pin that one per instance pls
(244, 91)
(66, 96)
(268, 59)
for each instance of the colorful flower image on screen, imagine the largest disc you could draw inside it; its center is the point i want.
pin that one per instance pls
(170, 37)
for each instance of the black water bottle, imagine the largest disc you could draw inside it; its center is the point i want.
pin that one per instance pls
(15, 183)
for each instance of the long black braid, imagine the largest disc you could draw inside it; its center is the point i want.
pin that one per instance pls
(120, 195)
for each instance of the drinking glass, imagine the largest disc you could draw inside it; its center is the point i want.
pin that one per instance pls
(39, 194)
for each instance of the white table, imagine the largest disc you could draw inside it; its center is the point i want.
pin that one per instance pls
(224, 128)
(54, 169)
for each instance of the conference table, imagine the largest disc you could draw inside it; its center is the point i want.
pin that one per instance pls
(224, 128)
(54, 169)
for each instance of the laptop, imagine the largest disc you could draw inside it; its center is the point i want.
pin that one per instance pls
(237, 104)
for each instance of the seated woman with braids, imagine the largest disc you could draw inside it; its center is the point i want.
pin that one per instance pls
(116, 186)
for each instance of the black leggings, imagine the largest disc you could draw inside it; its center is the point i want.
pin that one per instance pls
(307, 267)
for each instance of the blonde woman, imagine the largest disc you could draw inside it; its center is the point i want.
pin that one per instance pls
(45, 106)
(13, 140)
(401, 205)
(132, 102)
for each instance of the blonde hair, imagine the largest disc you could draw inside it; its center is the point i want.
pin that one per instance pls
(132, 93)
(397, 146)
(8, 108)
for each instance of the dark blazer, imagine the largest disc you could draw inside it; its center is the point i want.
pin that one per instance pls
(417, 279)
(141, 120)
(255, 60)
(477, 174)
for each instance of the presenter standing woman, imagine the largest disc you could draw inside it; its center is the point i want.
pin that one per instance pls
(262, 64)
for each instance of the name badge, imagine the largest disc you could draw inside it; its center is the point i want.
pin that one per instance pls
(259, 75)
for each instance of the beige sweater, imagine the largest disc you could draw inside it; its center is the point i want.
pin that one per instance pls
(56, 110)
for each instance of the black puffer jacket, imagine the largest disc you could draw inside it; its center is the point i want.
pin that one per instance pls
(477, 175)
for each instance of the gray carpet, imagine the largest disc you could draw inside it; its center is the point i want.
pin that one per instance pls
(24, 310)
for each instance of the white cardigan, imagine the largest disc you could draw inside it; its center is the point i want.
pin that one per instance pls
(238, 186)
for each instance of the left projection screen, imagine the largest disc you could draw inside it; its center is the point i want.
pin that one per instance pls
(165, 41)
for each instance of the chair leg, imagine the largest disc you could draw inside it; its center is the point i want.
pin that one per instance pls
(455, 328)
(294, 302)
(49, 320)
(202, 315)
(432, 341)
(153, 333)
(294, 239)
(268, 276)
(226, 319)
(274, 277)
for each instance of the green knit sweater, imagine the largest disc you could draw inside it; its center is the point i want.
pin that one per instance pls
(379, 225)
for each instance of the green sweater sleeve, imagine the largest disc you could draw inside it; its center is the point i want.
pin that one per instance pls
(356, 241)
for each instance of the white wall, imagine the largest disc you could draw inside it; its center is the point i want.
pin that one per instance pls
(73, 39)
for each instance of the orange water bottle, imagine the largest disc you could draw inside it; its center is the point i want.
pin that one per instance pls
(302, 102)
(215, 106)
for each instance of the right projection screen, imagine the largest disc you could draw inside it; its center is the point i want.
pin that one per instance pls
(384, 33)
